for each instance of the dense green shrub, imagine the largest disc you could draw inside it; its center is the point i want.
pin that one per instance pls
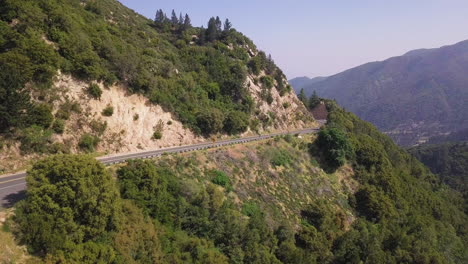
(335, 146)
(35, 139)
(267, 82)
(41, 115)
(71, 201)
(141, 182)
(94, 91)
(220, 178)
(58, 126)
(280, 158)
(108, 111)
(157, 135)
(236, 122)
(210, 121)
(88, 142)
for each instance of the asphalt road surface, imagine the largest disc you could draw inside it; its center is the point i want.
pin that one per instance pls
(13, 186)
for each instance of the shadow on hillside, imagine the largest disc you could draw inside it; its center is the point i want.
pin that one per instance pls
(318, 156)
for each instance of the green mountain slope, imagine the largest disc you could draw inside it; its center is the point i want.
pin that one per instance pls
(348, 195)
(447, 160)
(411, 97)
(212, 80)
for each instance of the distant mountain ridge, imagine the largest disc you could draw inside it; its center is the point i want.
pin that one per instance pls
(413, 97)
(300, 82)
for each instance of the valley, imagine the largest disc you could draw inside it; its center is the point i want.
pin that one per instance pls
(173, 138)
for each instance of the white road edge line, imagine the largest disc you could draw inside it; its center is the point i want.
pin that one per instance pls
(8, 187)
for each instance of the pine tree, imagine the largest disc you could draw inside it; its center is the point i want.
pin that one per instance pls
(181, 19)
(212, 31)
(302, 96)
(160, 17)
(187, 22)
(227, 25)
(218, 24)
(174, 19)
(202, 38)
(314, 100)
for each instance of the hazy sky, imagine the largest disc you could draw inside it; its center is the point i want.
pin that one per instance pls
(323, 37)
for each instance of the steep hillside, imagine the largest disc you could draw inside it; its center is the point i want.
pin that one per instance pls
(449, 161)
(346, 195)
(411, 98)
(95, 76)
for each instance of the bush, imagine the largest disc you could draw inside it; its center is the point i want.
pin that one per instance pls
(94, 91)
(157, 135)
(267, 82)
(41, 115)
(88, 142)
(210, 121)
(136, 117)
(220, 178)
(98, 127)
(281, 158)
(71, 199)
(158, 130)
(58, 126)
(236, 122)
(35, 139)
(108, 111)
(335, 146)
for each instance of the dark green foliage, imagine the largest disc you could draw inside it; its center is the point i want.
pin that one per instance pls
(157, 59)
(15, 71)
(199, 222)
(108, 111)
(94, 91)
(72, 202)
(157, 135)
(314, 100)
(210, 121)
(449, 161)
(35, 139)
(303, 97)
(236, 122)
(88, 142)
(58, 126)
(41, 115)
(405, 215)
(280, 158)
(335, 146)
(220, 178)
(141, 182)
(267, 82)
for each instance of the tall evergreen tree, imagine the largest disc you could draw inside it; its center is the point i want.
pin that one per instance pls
(187, 22)
(202, 37)
(174, 19)
(227, 25)
(211, 31)
(218, 24)
(302, 96)
(314, 100)
(181, 19)
(160, 17)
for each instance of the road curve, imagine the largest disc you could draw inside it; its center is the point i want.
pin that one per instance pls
(13, 186)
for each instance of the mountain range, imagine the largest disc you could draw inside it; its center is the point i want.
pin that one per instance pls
(413, 97)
